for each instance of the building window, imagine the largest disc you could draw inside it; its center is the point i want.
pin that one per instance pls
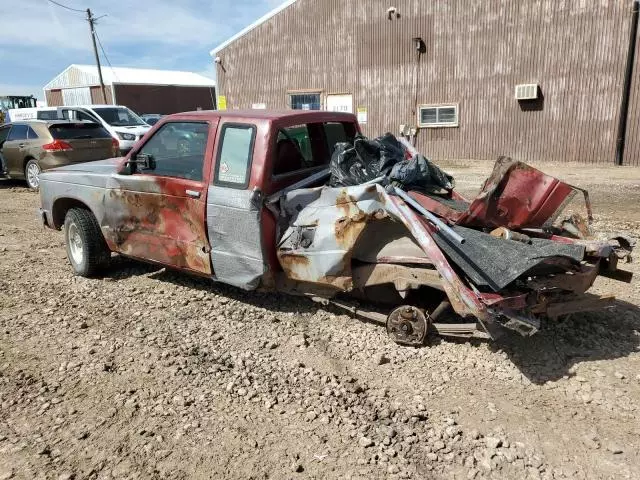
(431, 116)
(304, 101)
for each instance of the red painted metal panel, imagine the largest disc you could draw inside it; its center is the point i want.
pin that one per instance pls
(523, 198)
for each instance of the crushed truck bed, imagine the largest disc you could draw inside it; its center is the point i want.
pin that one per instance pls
(396, 231)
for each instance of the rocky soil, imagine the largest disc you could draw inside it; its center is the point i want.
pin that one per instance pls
(147, 373)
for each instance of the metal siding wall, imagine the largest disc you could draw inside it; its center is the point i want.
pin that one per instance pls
(73, 77)
(54, 98)
(163, 99)
(76, 96)
(477, 51)
(96, 95)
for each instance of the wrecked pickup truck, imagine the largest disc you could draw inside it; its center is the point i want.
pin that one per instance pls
(300, 202)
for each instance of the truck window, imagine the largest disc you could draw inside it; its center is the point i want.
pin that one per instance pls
(299, 147)
(178, 149)
(79, 115)
(47, 115)
(235, 155)
(335, 133)
(86, 117)
(118, 116)
(308, 146)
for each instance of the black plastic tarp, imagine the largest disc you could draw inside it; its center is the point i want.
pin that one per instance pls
(367, 159)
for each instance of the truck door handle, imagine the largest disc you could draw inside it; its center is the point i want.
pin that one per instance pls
(193, 193)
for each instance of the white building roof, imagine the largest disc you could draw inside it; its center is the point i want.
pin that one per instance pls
(255, 24)
(86, 75)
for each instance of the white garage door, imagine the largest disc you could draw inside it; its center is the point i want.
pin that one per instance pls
(340, 103)
(76, 96)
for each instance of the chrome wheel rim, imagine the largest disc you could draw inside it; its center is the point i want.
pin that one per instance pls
(75, 244)
(33, 175)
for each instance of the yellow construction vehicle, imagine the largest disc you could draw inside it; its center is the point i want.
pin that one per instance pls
(11, 102)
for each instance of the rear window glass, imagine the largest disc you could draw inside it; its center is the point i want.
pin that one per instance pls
(299, 134)
(308, 146)
(235, 154)
(335, 133)
(78, 130)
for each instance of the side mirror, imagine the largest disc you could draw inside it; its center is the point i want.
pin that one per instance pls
(140, 161)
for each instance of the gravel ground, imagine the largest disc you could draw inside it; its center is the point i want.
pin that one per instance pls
(147, 373)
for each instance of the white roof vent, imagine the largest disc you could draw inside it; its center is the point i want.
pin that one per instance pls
(527, 91)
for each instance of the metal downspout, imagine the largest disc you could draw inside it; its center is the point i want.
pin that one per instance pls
(626, 89)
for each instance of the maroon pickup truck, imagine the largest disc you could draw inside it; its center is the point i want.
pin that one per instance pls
(243, 197)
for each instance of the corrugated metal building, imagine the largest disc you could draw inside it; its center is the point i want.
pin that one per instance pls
(451, 68)
(142, 90)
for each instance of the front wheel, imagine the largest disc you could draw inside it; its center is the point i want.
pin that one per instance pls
(86, 249)
(32, 174)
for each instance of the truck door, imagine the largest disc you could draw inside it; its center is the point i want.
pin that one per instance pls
(158, 214)
(234, 209)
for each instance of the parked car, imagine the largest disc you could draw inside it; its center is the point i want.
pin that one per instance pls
(28, 148)
(121, 122)
(151, 118)
(250, 201)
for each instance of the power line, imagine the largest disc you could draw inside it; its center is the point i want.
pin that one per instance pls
(92, 24)
(113, 70)
(64, 6)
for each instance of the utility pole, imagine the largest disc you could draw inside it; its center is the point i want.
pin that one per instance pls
(92, 21)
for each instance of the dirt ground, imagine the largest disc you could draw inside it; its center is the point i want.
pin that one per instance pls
(146, 373)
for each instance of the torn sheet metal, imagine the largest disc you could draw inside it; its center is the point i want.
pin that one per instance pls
(318, 245)
(515, 196)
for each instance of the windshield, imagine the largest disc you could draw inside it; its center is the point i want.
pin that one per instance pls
(119, 116)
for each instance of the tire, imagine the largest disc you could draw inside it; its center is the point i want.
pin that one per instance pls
(32, 174)
(87, 251)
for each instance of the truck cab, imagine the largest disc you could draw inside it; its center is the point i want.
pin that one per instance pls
(190, 193)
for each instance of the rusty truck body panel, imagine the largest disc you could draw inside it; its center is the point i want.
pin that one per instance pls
(240, 197)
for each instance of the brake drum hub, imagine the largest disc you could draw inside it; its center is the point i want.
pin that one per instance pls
(408, 325)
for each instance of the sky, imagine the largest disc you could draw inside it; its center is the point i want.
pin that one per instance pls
(38, 39)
